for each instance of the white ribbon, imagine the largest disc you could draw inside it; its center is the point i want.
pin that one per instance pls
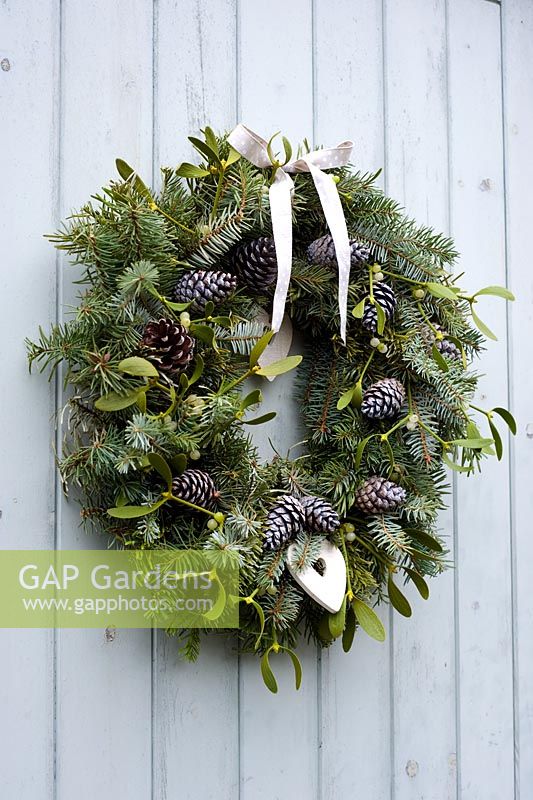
(255, 149)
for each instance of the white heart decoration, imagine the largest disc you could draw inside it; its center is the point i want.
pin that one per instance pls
(328, 589)
(281, 343)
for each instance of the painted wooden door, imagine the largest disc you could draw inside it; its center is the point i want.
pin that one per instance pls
(439, 93)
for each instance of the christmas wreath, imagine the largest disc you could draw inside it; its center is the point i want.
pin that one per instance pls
(173, 322)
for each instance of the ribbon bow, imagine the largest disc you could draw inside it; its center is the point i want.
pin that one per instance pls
(255, 149)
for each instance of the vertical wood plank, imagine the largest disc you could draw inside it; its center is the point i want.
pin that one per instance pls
(29, 54)
(423, 682)
(275, 68)
(195, 705)
(485, 691)
(349, 78)
(278, 733)
(349, 105)
(195, 74)
(107, 112)
(518, 108)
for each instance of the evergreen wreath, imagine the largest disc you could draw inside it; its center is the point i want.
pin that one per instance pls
(167, 332)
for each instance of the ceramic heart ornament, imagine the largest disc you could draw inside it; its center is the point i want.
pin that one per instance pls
(328, 589)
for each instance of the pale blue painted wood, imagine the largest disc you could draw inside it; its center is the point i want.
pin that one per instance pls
(420, 92)
(416, 174)
(518, 132)
(29, 47)
(195, 706)
(350, 104)
(278, 738)
(483, 577)
(103, 680)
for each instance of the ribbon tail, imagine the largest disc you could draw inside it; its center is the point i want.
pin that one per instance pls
(280, 206)
(332, 207)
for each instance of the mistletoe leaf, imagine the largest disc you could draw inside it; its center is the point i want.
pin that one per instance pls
(138, 366)
(345, 399)
(360, 450)
(117, 402)
(296, 664)
(127, 173)
(381, 319)
(507, 418)
(439, 359)
(418, 581)
(160, 465)
(259, 348)
(496, 291)
(251, 399)
(205, 150)
(186, 170)
(259, 420)
(220, 603)
(279, 367)
(210, 139)
(233, 156)
(498, 444)
(176, 306)
(369, 620)
(268, 675)
(132, 512)
(198, 370)
(473, 444)
(205, 334)
(440, 291)
(336, 621)
(425, 539)
(398, 600)
(481, 326)
(359, 309)
(179, 463)
(349, 631)
(261, 615)
(453, 465)
(357, 398)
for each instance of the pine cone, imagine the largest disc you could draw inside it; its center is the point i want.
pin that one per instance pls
(322, 252)
(320, 516)
(448, 349)
(444, 346)
(383, 399)
(378, 495)
(255, 262)
(195, 486)
(385, 296)
(201, 286)
(167, 345)
(284, 521)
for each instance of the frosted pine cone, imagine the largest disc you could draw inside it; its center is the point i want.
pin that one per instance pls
(284, 521)
(201, 286)
(378, 495)
(322, 252)
(448, 349)
(445, 346)
(383, 399)
(167, 345)
(195, 486)
(255, 262)
(384, 295)
(320, 516)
